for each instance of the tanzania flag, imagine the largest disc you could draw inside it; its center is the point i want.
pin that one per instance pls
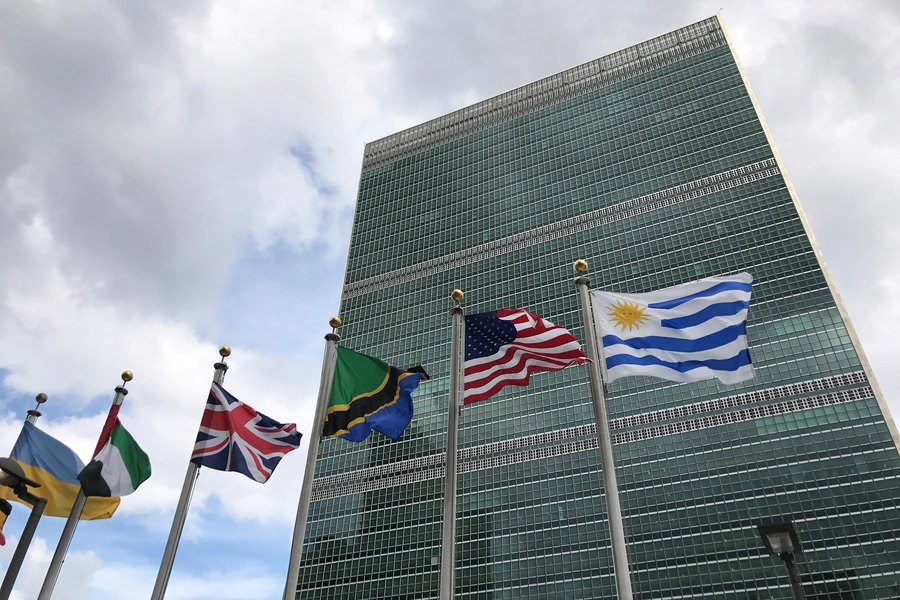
(368, 394)
(55, 466)
(119, 467)
(5, 509)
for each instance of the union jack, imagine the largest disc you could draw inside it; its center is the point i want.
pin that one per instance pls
(234, 437)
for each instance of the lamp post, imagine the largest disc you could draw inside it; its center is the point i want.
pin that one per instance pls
(14, 477)
(781, 540)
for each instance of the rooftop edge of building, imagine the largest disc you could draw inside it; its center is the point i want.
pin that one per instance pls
(595, 74)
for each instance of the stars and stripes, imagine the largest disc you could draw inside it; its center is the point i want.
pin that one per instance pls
(234, 437)
(506, 346)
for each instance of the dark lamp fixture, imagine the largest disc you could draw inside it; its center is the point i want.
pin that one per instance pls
(780, 538)
(13, 476)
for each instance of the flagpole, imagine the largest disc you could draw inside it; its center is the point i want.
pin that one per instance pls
(315, 436)
(448, 525)
(20, 489)
(62, 547)
(187, 490)
(607, 459)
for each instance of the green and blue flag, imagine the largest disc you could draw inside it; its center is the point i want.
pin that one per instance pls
(369, 394)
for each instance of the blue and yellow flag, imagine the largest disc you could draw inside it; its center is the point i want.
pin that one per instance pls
(55, 466)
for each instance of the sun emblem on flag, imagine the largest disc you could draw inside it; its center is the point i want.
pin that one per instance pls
(627, 314)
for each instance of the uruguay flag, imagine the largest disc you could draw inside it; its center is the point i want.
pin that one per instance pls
(688, 332)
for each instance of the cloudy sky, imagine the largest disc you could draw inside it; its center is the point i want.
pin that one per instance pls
(179, 175)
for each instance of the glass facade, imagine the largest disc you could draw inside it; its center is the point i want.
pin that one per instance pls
(654, 165)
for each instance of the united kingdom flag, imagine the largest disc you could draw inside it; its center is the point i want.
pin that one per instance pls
(234, 437)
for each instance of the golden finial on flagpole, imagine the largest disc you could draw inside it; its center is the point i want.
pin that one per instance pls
(580, 265)
(34, 413)
(121, 392)
(222, 366)
(120, 389)
(457, 295)
(335, 322)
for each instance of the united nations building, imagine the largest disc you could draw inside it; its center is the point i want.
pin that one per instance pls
(654, 165)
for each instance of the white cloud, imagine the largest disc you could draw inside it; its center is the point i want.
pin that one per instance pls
(81, 567)
(127, 583)
(85, 576)
(46, 337)
(167, 152)
(173, 145)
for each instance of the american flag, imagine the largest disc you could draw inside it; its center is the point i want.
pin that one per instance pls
(234, 437)
(505, 347)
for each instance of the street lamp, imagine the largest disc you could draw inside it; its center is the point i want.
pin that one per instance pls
(14, 477)
(781, 540)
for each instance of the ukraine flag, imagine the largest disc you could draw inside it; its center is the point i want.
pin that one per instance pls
(55, 466)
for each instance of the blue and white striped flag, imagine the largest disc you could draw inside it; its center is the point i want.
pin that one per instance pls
(688, 332)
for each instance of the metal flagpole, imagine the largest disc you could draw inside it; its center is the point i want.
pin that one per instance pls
(448, 526)
(187, 490)
(20, 484)
(315, 436)
(37, 509)
(59, 556)
(608, 463)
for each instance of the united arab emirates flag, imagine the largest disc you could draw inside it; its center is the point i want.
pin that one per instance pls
(118, 468)
(368, 394)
